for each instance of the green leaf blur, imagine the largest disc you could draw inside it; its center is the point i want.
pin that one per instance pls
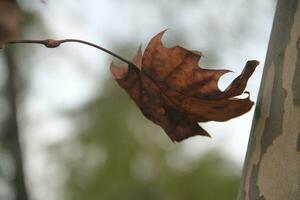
(118, 154)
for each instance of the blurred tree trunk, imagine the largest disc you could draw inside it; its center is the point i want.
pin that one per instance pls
(9, 16)
(272, 166)
(10, 136)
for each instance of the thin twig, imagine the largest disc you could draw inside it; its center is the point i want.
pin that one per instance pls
(50, 43)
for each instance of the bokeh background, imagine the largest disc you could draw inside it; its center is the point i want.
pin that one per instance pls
(81, 135)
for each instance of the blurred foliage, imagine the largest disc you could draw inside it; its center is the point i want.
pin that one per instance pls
(118, 154)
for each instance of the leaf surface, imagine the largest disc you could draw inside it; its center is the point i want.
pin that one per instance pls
(174, 92)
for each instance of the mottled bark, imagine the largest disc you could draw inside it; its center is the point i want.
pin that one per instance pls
(10, 132)
(272, 166)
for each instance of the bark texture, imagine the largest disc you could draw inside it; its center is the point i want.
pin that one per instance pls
(272, 166)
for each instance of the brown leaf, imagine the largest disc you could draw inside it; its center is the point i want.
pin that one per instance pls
(174, 92)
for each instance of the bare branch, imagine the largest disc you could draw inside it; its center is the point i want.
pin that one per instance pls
(50, 43)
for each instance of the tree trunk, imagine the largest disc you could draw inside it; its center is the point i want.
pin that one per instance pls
(10, 132)
(272, 166)
(11, 136)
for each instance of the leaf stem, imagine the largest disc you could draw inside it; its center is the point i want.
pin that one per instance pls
(50, 43)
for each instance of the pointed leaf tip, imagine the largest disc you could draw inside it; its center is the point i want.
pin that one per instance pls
(137, 60)
(118, 71)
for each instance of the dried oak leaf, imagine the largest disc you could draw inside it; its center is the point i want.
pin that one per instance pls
(174, 92)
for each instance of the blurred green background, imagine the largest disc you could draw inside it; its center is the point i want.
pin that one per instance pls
(81, 137)
(120, 155)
